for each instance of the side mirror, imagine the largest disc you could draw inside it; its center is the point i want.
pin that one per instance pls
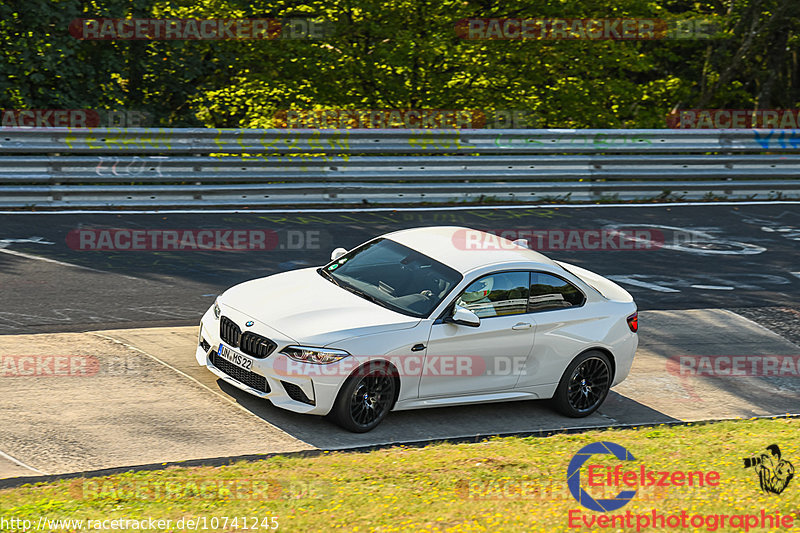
(464, 317)
(337, 253)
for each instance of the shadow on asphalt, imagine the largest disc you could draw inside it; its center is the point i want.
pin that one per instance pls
(443, 423)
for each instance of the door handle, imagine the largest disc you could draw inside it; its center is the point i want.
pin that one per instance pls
(418, 347)
(521, 325)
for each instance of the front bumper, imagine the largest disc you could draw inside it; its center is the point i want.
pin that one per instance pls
(287, 381)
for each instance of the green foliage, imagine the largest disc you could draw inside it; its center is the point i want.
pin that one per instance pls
(402, 54)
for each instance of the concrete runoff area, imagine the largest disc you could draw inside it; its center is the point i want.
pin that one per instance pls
(10, 468)
(710, 364)
(109, 405)
(147, 401)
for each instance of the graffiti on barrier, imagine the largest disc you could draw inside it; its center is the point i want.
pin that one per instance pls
(777, 138)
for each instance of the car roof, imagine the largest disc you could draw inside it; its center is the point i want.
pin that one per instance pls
(466, 249)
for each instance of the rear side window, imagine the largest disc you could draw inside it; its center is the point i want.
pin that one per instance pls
(551, 292)
(501, 294)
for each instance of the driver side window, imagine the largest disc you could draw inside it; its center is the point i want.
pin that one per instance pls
(500, 294)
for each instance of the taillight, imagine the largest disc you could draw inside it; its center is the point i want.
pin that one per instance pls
(633, 322)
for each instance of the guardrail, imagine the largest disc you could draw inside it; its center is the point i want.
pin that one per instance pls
(212, 167)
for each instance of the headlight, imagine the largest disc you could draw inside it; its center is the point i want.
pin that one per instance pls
(217, 311)
(317, 356)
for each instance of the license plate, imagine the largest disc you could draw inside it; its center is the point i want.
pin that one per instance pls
(233, 357)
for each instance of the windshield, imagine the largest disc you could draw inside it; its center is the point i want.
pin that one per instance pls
(394, 276)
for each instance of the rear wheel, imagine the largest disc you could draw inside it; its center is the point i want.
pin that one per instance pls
(584, 386)
(365, 399)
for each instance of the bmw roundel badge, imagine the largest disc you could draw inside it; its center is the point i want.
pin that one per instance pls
(249, 323)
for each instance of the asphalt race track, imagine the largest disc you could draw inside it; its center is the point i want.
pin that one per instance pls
(135, 312)
(707, 256)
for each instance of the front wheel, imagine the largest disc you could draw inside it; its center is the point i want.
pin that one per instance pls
(584, 386)
(365, 399)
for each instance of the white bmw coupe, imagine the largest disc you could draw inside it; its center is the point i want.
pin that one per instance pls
(424, 317)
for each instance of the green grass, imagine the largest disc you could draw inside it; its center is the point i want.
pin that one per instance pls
(441, 487)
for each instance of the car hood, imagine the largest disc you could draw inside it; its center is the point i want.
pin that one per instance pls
(310, 309)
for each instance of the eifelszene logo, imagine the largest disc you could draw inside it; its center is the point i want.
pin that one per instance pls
(603, 477)
(774, 473)
(574, 477)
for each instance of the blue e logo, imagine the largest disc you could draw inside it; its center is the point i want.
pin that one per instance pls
(574, 477)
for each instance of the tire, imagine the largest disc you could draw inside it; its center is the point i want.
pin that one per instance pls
(365, 398)
(584, 385)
